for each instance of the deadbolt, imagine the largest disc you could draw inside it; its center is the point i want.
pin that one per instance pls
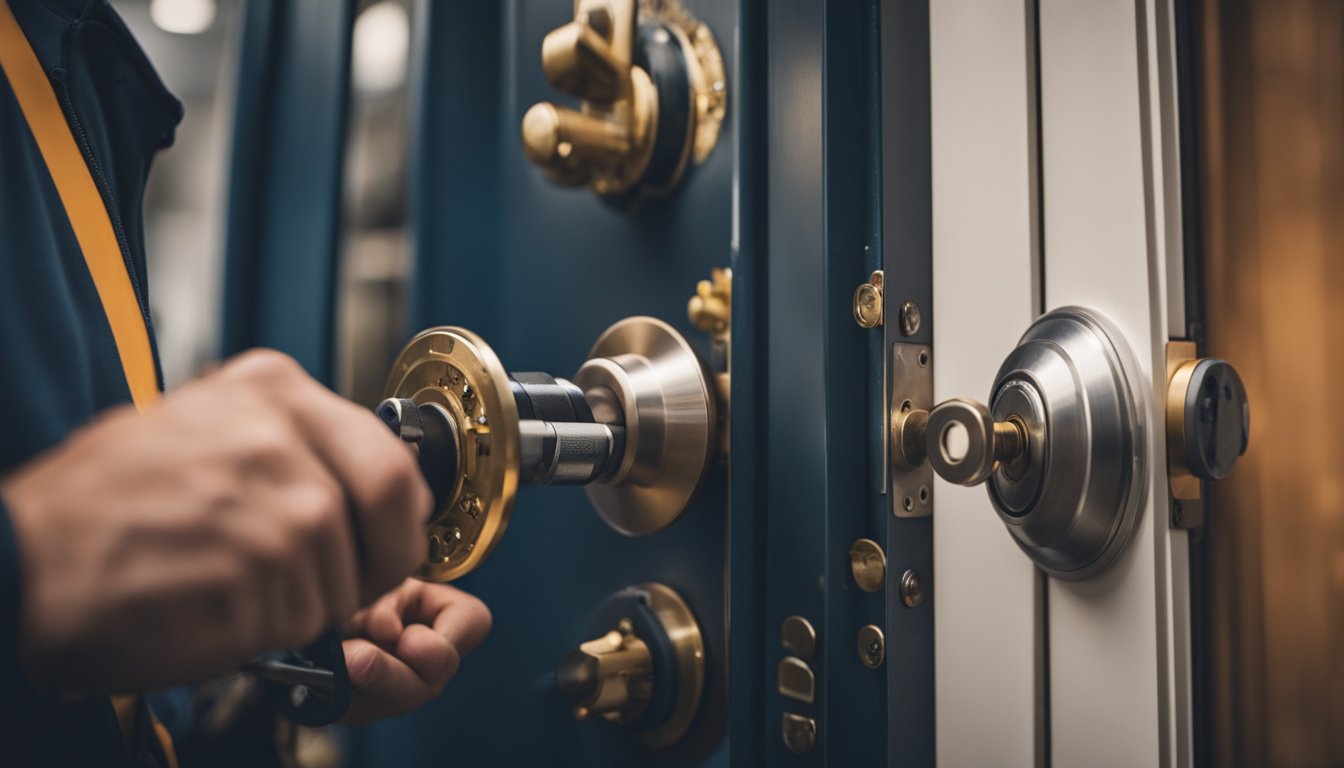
(1061, 445)
(653, 95)
(646, 668)
(636, 426)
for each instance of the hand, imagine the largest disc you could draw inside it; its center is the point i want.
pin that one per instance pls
(170, 546)
(416, 636)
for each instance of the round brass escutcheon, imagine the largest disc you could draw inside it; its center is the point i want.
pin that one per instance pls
(872, 646)
(456, 370)
(868, 563)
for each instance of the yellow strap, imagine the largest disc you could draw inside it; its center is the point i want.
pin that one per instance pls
(83, 206)
(97, 240)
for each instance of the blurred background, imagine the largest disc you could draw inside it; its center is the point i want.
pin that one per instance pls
(1269, 127)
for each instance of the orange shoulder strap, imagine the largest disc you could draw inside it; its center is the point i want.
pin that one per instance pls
(83, 206)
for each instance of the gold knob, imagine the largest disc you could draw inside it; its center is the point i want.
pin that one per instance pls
(569, 143)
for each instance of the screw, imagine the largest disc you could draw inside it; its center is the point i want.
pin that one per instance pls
(297, 695)
(872, 646)
(909, 318)
(912, 588)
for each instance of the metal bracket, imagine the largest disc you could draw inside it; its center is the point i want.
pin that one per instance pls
(910, 388)
(1185, 503)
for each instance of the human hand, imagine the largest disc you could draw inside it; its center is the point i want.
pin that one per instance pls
(169, 546)
(410, 644)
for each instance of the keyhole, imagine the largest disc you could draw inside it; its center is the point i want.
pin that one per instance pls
(955, 441)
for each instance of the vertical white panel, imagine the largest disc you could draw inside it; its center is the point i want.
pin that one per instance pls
(1114, 640)
(986, 622)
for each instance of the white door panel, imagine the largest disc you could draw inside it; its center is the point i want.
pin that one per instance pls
(985, 294)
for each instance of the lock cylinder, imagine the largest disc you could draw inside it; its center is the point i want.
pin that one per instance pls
(636, 426)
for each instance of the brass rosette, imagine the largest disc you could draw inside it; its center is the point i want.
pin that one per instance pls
(455, 369)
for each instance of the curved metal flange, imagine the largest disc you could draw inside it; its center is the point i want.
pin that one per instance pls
(655, 382)
(456, 370)
(688, 645)
(1074, 385)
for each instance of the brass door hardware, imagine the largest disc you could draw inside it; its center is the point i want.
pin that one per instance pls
(796, 680)
(799, 637)
(868, 564)
(868, 301)
(1208, 419)
(711, 310)
(872, 646)
(635, 426)
(646, 669)
(1060, 446)
(910, 387)
(912, 588)
(800, 733)
(653, 95)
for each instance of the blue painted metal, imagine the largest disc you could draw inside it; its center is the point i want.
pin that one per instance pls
(907, 254)
(283, 228)
(828, 119)
(540, 271)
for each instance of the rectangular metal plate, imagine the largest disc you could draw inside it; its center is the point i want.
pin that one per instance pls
(910, 381)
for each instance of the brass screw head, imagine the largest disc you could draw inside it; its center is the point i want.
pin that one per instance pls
(912, 588)
(868, 302)
(872, 646)
(909, 318)
(868, 563)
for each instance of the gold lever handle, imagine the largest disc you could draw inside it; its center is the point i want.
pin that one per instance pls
(579, 62)
(568, 143)
(934, 435)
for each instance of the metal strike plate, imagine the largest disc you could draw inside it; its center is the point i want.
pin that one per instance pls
(911, 388)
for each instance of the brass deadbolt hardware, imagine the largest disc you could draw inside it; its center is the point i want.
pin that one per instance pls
(799, 637)
(653, 93)
(872, 646)
(646, 668)
(800, 733)
(868, 306)
(636, 426)
(868, 564)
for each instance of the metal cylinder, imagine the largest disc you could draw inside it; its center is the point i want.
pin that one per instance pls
(567, 453)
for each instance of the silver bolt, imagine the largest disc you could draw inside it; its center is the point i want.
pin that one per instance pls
(912, 588)
(297, 695)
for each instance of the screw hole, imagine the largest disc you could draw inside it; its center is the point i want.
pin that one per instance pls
(906, 405)
(923, 358)
(923, 494)
(909, 503)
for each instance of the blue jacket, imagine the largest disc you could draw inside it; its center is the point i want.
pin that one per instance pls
(58, 363)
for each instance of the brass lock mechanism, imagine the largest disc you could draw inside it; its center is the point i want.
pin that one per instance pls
(1062, 446)
(636, 425)
(645, 669)
(653, 95)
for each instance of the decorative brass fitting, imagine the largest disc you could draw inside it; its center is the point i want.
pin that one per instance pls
(711, 310)
(868, 302)
(637, 125)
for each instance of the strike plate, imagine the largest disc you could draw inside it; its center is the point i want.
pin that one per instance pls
(911, 387)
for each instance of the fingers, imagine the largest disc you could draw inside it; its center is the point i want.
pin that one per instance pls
(416, 637)
(386, 686)
(387, 497)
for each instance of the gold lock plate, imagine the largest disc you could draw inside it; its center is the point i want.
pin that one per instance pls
(1185, 505)
(455, 369)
